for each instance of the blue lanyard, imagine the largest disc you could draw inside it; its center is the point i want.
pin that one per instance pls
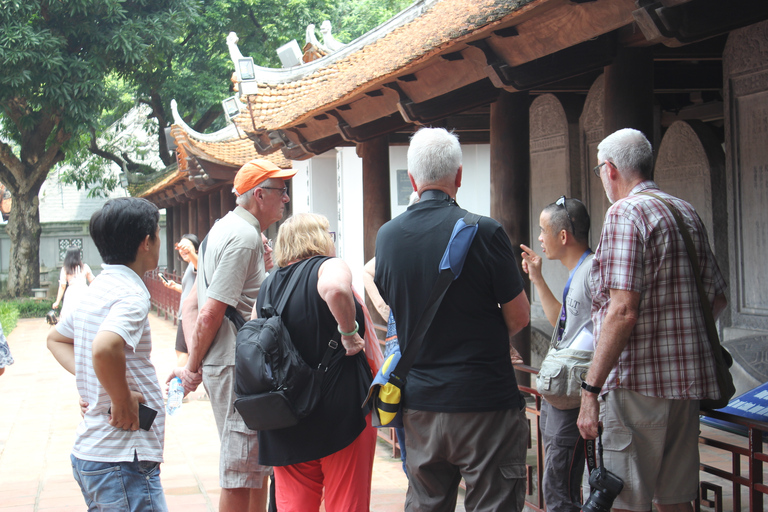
(563, 310)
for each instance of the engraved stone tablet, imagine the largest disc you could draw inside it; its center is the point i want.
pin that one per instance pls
(549, 175)
(592, 132)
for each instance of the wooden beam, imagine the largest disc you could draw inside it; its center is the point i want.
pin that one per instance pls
(470, 96)
(566, 63)
(694, 21)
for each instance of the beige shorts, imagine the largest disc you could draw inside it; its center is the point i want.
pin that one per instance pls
(652, 444)
(239, 456)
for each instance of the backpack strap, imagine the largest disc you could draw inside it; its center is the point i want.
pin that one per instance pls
(268, 310)
(450, 268)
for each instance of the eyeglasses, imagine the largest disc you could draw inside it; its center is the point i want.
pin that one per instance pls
(283, 190)
(268, 243)
(596, 168)
(561, 202)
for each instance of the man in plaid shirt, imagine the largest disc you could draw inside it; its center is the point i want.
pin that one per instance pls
(653, 361)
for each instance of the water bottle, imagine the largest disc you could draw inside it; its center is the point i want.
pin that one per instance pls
(175, 395)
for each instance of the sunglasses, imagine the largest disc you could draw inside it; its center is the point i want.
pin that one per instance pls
(561, 202)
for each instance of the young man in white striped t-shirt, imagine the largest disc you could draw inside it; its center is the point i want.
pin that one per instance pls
(105, 342)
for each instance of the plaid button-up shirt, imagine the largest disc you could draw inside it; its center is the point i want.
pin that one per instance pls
(641, 250)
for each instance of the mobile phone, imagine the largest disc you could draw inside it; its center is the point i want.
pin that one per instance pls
(146, 416)
(162, 276)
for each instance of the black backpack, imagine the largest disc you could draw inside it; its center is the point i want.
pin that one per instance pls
(275, 387)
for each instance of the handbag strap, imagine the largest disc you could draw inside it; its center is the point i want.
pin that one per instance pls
(709, 319)
(444, 280)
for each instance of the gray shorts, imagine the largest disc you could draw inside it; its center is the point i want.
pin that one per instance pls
(239, 456)
(653, 445)
(488, 449)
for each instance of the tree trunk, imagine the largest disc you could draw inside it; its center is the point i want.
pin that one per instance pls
(23, 175)
(24, 230)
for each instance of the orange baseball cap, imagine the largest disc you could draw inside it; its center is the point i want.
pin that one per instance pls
(256, 171)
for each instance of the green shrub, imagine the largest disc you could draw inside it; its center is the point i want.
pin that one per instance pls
(12, 310)
(29, 308)
(9, 314)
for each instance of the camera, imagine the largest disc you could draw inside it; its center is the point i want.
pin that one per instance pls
(605, 487)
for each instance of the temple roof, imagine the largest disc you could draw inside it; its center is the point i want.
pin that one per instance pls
(280, 103)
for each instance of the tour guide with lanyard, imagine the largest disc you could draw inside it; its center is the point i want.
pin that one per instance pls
(563, 310)
(386, 390)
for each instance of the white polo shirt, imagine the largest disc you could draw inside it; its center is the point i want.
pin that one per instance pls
(116, 301)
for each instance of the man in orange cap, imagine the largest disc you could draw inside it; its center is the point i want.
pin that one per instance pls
(230, 273)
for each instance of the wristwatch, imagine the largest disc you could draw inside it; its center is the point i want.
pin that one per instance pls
(592, 389)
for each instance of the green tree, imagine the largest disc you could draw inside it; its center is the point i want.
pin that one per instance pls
(55, 57)
(195, 70)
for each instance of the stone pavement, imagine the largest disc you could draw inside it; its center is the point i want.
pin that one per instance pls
(39, 414)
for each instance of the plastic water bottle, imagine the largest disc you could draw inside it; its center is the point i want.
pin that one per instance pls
(175, 395)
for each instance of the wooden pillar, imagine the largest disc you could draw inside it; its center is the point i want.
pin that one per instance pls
(192, 216)
(169, 240)
(510, 186)
(629, 92)
(183, 220)
(202, 217)
(214, 208)
(376, 207)
(227, 200)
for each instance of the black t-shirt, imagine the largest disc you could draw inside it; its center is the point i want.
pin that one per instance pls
(338, 418)
(464, 363)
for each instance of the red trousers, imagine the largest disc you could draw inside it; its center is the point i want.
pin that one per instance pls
(345, 475)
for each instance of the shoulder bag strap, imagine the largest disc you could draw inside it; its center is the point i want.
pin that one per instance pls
(444, 280)
(709, 319)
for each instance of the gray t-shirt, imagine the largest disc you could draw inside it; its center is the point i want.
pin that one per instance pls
(233, 266)
(578, 306)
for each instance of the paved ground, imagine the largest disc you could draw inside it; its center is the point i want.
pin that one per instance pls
(38, 417)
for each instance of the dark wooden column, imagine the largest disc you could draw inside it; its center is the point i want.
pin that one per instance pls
(629, 92)
(214, 208)
(169, 240)
(183, 220)
(510, 186)
(192, 216)
(376, 207)
(227, 200)
(203, 221)
(177, 223)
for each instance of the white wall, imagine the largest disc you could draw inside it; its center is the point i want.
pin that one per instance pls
(332, 184)
(475, 192)
(350, 236)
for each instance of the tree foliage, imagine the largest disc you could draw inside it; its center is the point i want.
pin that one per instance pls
(195, 69)
(55, 56)
(70, 69)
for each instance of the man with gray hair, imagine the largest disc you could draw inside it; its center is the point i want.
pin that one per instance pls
(463, 413)
(230, 273)
(653, 361)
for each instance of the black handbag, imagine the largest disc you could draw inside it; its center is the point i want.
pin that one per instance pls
(275, 387)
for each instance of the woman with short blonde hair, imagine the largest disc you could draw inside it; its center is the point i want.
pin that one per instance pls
(302, 236)
(329, 454)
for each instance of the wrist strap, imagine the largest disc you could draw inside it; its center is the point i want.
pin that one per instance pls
(592, 389)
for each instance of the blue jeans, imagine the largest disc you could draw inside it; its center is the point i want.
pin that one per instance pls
(120, 486)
